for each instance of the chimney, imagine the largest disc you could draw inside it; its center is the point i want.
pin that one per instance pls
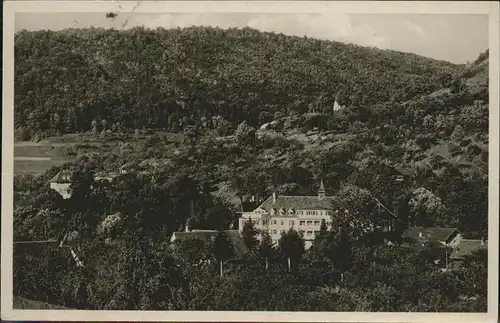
(321, 191)
(274, 197)
(188, 226)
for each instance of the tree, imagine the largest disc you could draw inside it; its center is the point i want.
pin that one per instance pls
(458, 133)
(104, 123)
(222, 126)
(245, 134)
(292, 247)
(428, 209)
(476, 273)
(266, 247)
(356, 210)
(191, 133)
(94, 127)
(222, 248)
(322, 241)
(249, 235)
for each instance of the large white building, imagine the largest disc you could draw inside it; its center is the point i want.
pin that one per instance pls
(304, 214)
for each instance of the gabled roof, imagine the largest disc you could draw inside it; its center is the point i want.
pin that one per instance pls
(298, 202)
(206, 235)
(466, 247)
(428, 234)
(64, 176)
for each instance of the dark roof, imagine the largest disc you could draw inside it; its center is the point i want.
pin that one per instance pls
(205, 235)
(428, 234)
(63, 176)
(298, 202)
(466, 247)
(249, 206)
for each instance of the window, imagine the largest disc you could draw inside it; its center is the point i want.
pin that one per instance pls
(309, 233)
(291, 222)
(282, 222)
(264, 222)
(317, 222)
(282, 231)
(302, 222)
(274, 221)
(316, 233)
(309, 222)
(274, 231)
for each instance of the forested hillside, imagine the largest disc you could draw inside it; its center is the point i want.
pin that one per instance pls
(158, 78)
(413, 134)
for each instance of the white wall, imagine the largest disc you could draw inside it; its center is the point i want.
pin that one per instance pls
(62, 188)
(282, 223)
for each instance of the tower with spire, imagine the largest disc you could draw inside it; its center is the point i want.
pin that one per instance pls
(321, 191)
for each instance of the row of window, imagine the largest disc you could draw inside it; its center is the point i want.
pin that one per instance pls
(299, 212)
(290, 222)
(308, 233)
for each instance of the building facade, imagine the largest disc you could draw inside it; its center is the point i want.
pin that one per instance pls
(61, 183)
(278, 214)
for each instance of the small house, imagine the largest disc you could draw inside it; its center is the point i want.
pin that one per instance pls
(208, 236)
(448, 237)
(61, 183)
(466, 248)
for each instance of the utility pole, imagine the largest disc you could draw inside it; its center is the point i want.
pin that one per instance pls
(446, 257)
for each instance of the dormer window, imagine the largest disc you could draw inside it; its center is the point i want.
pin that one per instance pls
(282, 211)
(291, 211)
(272, 211)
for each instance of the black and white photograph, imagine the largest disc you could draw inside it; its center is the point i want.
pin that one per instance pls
(258, 161)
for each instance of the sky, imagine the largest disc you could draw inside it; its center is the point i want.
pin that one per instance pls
(456, 38)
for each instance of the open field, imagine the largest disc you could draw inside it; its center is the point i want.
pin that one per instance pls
(35, 166)
(37, 157)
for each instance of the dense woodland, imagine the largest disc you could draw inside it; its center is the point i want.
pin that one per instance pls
(159, 78)
(404, 115)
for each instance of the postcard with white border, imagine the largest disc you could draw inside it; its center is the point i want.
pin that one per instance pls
(250, 161)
